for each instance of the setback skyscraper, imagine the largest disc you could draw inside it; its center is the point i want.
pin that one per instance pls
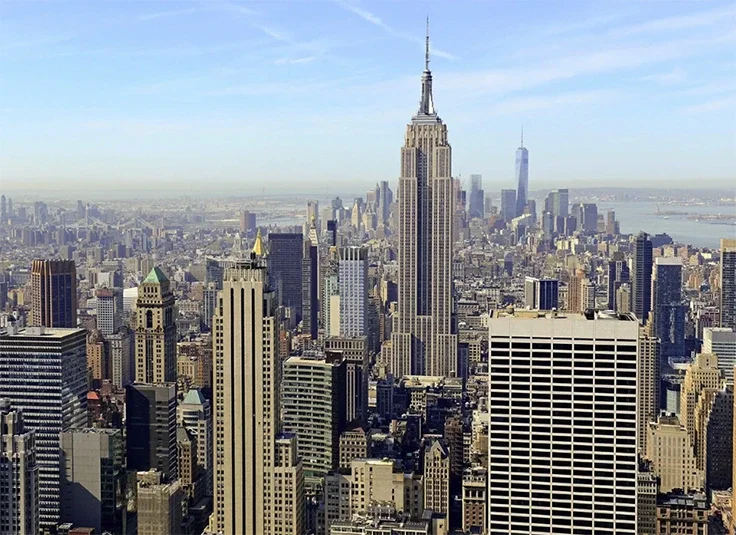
(423, 341)
(522, 177)
(258, 479)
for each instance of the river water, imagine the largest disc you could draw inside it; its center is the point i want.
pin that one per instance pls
(634, 217)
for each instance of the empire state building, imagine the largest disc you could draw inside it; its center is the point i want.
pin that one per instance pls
(423, 342)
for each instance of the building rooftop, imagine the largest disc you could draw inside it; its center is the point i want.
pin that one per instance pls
(156, 276)
(590, 315)
(193, 397)
(34, 332)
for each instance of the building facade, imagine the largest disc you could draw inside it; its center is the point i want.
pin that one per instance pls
(313, 394)
(285, 271)
(92, 470)
(667, 306)
(641, 278)
(722, 342)
(43, 372)
(353, 284)
(568, 367)
(728, 283)
(54, 293)
(151, 428)
(19, 472)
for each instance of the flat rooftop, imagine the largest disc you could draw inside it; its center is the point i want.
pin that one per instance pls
(37, 332)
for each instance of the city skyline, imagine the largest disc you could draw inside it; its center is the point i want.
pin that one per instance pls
(153, 100)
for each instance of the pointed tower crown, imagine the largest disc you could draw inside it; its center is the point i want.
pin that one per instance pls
(426, 105)
(258, 248)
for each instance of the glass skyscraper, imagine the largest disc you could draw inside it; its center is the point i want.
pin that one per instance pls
(522, 177)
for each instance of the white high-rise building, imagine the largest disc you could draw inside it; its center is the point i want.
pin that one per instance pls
(109, 310)
(722, 342)
(422, 341)
(563, 423)
(250, 458)
(353, 284)
(43, 372)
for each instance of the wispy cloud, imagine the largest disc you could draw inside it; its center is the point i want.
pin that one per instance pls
(524, 104)
(170, 13)
(566, 67)
(210, 6)
(36, 42)
(276, 34)
(675, 76)
(377, 21)
(711, 88)
(682, 22)
(295, 61)
(727, 103)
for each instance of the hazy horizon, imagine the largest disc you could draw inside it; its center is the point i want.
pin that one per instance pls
(213, 98)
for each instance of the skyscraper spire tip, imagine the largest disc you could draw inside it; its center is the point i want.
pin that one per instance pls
(522, 136)
(426, 48)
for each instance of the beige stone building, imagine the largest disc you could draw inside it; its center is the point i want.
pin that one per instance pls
(437, 477)
(670, 449)
(647, 389)
(701, 374)
(155, 332)
(377, 481)
(353, 445)
(257, 477)
(159, 505)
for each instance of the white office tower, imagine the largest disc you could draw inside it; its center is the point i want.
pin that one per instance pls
(353, 284)
(19, 472)
(43, 372)
(563, 415)
(722, 342)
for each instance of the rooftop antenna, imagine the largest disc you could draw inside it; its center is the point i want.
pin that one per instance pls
(522, 137)
(426, 48)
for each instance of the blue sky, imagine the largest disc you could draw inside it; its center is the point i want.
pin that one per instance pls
(314, 96)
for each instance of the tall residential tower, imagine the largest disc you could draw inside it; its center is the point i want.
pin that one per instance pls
(423, 341)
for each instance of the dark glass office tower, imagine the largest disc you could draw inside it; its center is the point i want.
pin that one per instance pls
(285, 251)
(641, 283)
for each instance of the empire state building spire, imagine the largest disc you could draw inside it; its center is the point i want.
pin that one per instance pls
(426, 105)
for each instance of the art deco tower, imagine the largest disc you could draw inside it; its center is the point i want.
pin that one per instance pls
(258, 477)
(423, 342)
(155, 333)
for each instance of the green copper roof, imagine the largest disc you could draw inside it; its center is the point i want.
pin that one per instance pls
(194, 397)
(156, 276)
